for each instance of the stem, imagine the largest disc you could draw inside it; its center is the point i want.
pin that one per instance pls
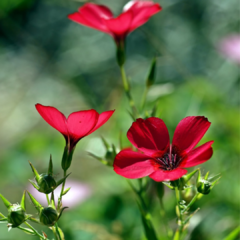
(57, 230)
(191, 203)
(63, 184)
(34, 230)
(127, 91)
(48, 201)
(163, 215)
(179, 213)
(55, 233)
(146, 216)
(144, 97)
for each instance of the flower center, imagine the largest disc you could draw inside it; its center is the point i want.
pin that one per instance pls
(168, 161)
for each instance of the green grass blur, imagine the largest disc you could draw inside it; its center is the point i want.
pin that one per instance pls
(45, 58)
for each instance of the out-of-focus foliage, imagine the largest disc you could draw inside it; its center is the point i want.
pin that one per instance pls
(46, 58)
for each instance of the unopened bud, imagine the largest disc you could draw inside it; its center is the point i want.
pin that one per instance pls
(48, 216)
(46, 184)
(204, 186)
(16, 215)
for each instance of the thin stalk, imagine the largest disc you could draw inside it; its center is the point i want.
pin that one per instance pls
(34, 230)
(179, 213)
(57, 230)
(55, 233)
(146, 216)
(48, 201)
(191, 203)
(63, 184)
(127, 91)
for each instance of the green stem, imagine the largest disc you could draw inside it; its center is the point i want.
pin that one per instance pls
(127, 91)
(48, 201)
(146, 216)
(34, 230)
(57, 230)
(179, 213)
(63, 184)
(55, 233)
(191, 203)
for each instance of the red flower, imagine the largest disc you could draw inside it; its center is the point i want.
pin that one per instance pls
(77, 125)
(135, 14)
(156, 157)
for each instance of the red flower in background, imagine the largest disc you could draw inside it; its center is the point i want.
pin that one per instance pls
(77, 125)
(156, 157)
(135, 14)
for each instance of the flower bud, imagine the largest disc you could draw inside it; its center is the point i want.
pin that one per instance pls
(16, 215)
(48, 216)
(204, 186)
(46, 183)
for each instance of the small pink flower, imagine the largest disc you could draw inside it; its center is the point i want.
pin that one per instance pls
(135, 13)
(156, 157)
(230, 47)
(78, 193)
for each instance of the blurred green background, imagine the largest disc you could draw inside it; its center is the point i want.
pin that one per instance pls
(46, 58)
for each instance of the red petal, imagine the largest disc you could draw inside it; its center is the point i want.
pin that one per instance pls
(119, 26)
(150, 135)
(53, 117)
(80, 123)
(198, 155)
(132, 165)
(160, 175)
(189, 132)
(102, 119)
(92, 15)
(142, 11)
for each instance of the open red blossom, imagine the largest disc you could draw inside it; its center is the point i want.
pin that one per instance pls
(135, 13)
(156, 157)
(77, 125)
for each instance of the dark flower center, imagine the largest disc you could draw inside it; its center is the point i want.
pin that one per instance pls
(169, 161)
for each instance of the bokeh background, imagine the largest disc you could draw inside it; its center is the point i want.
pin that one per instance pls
(45, 58)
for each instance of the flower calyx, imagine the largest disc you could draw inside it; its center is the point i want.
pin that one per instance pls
(45, 182)
(16, 212)
(205, 185)
(48, 216)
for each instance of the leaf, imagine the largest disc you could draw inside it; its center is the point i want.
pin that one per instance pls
(27, 230)
(234, 234)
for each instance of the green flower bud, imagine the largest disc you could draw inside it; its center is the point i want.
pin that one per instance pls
(16, 215)
(48, 216)
(204, 186)
(46, 183)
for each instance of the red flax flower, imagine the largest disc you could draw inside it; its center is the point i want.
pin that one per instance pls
(135, 13)
(77, 125)
(156, 157)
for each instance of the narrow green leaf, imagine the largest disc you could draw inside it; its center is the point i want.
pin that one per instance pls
(50, 166)
(23, 202)
(234, 234)
(177, 235)
(5, 201)
(152, 72)
(105, 143)
(35, 202)
(37, 176)
(66, 191)
(34, 184)
(62, 180)
(27, 230)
